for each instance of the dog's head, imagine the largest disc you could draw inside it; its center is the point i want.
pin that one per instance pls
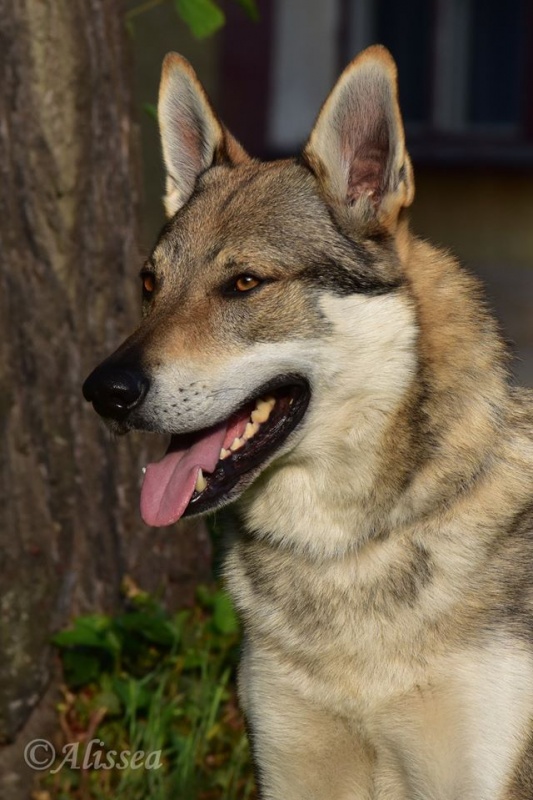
(274, 294)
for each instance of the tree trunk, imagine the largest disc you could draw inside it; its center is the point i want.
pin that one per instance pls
(69, 524)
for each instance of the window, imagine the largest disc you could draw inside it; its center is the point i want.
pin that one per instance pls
(466, 79)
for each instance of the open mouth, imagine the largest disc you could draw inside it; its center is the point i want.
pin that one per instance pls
(201, 470)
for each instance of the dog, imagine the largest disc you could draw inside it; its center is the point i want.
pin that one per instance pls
(343, 384)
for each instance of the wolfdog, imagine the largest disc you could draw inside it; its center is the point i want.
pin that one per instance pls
(343, 384)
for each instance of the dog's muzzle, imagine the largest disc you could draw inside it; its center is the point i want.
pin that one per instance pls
(115, 391)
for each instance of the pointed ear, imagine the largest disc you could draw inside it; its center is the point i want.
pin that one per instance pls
(357, 147)
(192, 136)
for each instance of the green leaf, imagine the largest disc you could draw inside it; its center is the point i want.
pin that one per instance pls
(250, 6)
(88, 631)
(193, 659)
(151, 110)
(80, 667)
(90, 647)
(156, 629)
(224, 617)
(204, 596)
(77, 638)
(203, 17)
(132, 694)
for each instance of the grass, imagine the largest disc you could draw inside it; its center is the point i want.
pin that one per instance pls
(150, 681)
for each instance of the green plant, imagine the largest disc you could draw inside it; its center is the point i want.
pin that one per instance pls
(150, 681)
(203, 17)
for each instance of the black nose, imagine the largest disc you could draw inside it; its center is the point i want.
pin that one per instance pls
(115, 391)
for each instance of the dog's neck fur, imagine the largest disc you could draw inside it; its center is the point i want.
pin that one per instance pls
(463, 378)
(459, 377)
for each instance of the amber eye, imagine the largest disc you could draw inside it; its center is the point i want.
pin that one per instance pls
(245, 282)
(148, 280)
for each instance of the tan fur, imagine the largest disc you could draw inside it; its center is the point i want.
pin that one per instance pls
(381, 561)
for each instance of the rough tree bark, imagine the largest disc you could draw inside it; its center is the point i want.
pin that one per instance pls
(69, 525)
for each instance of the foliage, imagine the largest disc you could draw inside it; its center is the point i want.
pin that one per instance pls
(203, 17)
(149, 680)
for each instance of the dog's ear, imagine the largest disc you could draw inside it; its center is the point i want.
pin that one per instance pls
(192, 136)
(357, 147)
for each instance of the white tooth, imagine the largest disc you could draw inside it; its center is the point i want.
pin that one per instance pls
(143, 470)
(224, 454)
(236, 444)
(201, 482)
(271, 402)
(261, 412)
(251, 429)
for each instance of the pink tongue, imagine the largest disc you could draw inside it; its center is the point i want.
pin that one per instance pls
(169, 485)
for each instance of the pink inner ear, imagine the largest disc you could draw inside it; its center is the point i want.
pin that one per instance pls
(365, 148)
(366, 176)
(191, 142)
(187, 135)
(189, 130)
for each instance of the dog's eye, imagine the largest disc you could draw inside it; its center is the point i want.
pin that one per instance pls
(244, 283)
(148, 282)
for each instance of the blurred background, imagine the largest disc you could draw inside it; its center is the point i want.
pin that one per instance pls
(148, 657)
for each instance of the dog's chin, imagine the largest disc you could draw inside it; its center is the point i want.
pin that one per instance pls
(231, 454)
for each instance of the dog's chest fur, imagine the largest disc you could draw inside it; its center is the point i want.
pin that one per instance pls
(374, 639)
(354, 631)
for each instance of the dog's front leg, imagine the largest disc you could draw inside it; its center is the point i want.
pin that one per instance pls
(300, 751)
